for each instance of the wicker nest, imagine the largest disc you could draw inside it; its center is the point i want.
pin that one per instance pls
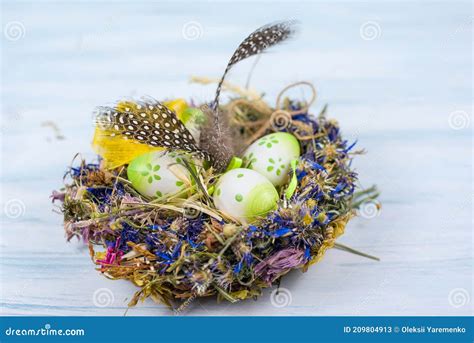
(178, 248)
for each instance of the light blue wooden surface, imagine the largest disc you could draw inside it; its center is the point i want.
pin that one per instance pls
(406, 95)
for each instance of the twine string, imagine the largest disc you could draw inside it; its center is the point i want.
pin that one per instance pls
(276, 119)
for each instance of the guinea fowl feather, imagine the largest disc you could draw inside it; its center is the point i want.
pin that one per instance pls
(149, 122)
(257, 42)
(216, 140)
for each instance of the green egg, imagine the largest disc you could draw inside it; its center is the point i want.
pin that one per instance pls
(271, 156)
(155, 174)
(245, 195)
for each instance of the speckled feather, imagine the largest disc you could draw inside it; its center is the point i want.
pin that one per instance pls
(256, 43)
(217, 141)
(149, 122)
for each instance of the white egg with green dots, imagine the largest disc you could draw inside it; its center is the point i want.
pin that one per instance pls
(245, 194)
(157, 174)
(271, 156)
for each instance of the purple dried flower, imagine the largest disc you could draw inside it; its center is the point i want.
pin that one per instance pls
(57, 196)
(280, 263)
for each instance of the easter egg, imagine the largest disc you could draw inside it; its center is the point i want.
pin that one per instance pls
(271, 156)
(245, 194)
(193, 118)
(157, 174)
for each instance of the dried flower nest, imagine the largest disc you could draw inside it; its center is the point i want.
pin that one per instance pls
(178, 249)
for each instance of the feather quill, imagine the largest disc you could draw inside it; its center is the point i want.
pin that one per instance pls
(257, 42)
(152, 123)
(217, 141)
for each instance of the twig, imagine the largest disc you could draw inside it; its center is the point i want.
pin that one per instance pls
(354, 251)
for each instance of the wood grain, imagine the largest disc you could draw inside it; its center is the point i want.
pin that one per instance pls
(395, 94)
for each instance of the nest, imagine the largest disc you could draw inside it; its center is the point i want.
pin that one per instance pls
(177, 249)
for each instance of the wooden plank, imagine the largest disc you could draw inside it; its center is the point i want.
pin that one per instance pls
(394, 94)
